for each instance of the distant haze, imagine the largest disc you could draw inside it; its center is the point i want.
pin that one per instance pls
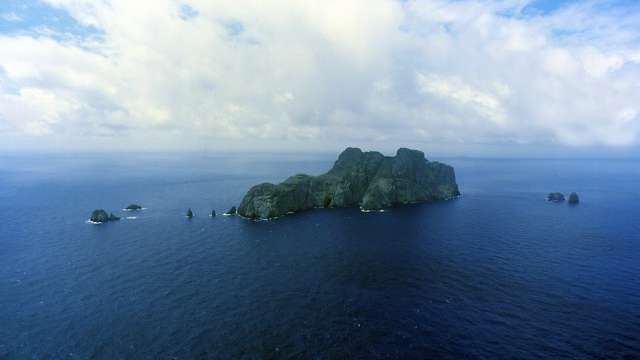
(504, 78)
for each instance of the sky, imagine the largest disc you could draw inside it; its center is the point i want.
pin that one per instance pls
(451, 77)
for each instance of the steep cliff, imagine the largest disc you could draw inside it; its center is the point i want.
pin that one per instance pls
(368, 180)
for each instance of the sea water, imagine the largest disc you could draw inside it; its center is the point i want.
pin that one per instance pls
(498, 273)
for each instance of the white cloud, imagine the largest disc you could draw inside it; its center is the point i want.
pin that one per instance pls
(486, 105)
(11, 17)
(322, 74)
(34, 111)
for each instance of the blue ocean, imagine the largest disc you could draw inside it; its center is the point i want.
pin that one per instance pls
(498, 273)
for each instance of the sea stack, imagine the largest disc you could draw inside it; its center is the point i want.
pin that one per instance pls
(133, 207)
(368, 180)
(101, 216)
(231, 211)
(574, 199)
(189, 213)
(555, 197)
(213, 213)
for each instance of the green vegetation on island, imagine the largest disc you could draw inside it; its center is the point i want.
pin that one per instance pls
(368, 180)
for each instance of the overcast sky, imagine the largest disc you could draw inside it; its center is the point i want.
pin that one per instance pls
(451, 77)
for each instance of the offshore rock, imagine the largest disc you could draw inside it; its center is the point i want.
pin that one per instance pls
(368, 180)
(189, 213)
(573, 198)
(231, 211)
(555, 197)
(133, 207)
(101, 216)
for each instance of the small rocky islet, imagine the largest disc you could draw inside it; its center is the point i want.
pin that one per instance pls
(133, 207)
(100, 216)
(573, 199)
(555, 197)
(559, 197)
(368, 180)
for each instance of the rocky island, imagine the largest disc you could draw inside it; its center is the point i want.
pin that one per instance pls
(133, 207)
(368, 180)
(555, 197)
(573, 199)
(100, 216)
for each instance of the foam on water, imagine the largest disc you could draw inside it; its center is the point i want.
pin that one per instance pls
(369, 210)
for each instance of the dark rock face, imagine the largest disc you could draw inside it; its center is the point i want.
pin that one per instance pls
(231, 211)
(189, 213)
(101, 216)
(573, 198)
(213, 213)
(369, 180)
(555, 196)
(133, 207)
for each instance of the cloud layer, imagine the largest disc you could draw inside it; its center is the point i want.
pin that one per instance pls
(207, 74)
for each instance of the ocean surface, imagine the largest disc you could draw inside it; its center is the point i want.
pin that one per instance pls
(498, 273)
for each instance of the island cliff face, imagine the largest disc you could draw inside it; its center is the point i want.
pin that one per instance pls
(369, 180)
